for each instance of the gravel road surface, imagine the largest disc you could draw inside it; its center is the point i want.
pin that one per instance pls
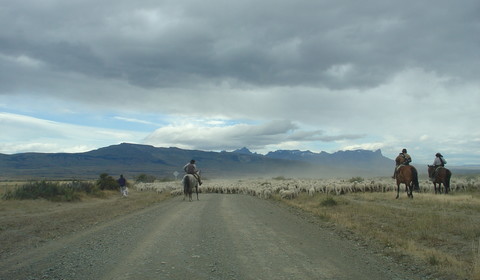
(218, 237)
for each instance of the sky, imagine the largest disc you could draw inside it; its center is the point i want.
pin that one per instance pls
(220, 75)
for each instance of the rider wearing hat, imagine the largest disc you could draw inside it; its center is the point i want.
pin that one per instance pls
(191, 168)
(439, 161)
(406, 160)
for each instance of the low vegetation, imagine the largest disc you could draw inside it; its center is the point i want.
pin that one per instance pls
(53, 191)
(61, 191)
(107, 182)
(145, 178)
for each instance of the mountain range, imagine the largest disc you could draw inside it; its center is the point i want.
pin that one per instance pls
(135, 159)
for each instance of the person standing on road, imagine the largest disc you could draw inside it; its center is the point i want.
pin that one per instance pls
(191, 168)
(123, 186)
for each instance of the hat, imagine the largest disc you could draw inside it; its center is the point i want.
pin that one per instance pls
(192, 161)
(438, 155)
(404, 150)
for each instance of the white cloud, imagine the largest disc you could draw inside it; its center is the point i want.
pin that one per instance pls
(229, 137)
(365, 146)
(28, 134)
(134, 120)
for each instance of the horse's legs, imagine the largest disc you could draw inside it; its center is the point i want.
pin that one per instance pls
(196, 190)
(410, 190)
(398, 190)
(185, 188)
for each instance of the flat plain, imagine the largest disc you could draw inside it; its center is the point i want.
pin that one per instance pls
(434, 235)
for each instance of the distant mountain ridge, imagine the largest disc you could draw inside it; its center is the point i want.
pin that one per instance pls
(351, 158)
(135, 159)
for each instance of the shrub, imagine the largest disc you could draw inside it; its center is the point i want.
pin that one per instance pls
(86, 187)
(433, 260)
(328, 202)
(168, 179)
(144, 178)
(107, 182)
(47, 190)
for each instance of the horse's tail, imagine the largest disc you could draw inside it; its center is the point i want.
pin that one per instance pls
(447, 179)
(416, 186)
(186, 183)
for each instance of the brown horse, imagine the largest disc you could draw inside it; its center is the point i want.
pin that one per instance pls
(408, 175)
(440, 175)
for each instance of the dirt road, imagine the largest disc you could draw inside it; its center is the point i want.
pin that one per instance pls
(218, 237)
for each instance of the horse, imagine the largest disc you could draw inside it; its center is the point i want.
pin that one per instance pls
(408, 175)
(189, 182)
(440, 175)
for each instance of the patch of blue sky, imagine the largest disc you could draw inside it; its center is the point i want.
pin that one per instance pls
(136, 122)
(206, 122)
(60, 112)
(44, 109)
(219, 122)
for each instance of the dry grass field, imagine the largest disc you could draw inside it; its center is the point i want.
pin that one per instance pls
(440, 231)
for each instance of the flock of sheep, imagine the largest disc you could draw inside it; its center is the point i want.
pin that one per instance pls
(290, 188)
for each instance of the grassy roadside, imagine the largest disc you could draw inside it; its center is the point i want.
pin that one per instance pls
(441, 231)
(29, 223)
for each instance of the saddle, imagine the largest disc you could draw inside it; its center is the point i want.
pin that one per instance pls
(401, 165)
(435, 171)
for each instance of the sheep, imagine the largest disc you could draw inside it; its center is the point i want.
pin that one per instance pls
(289, 189)
(287, 194)
(176, 192)
(266, 194)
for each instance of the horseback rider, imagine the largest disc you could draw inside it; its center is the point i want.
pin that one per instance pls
(191, 168)
(439, 161)
(406, 161)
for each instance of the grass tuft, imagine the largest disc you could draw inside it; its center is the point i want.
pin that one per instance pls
(476, 261)
(432, 260)
(328, 202)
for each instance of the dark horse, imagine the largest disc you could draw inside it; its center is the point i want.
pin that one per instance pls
(408, 175)
(440, 175)
(189, 182)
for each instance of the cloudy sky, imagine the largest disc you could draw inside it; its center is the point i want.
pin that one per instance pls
(218, 75)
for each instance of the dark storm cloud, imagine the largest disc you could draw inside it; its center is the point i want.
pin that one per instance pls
(337, 44)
